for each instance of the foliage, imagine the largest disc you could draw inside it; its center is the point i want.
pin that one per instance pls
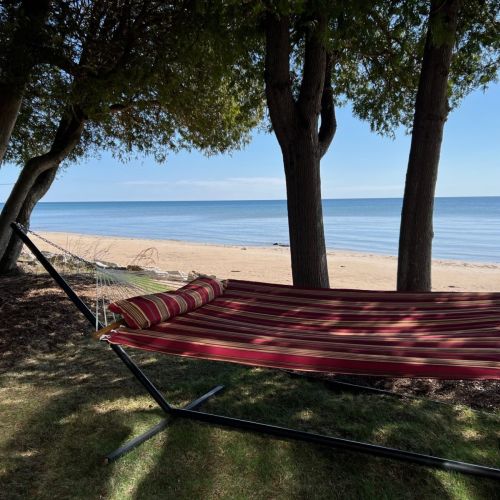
(382, 78)
(192, 77)
(377, 50)
(150, 77)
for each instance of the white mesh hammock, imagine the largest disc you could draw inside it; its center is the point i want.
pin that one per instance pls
(112, 282)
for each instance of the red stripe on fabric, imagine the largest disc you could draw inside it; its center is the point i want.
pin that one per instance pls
(307, 363)
(456, 352)
(429, 341)
(335, 314)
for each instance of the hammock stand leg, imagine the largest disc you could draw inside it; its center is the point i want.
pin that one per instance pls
(133, 443)
(248, 425)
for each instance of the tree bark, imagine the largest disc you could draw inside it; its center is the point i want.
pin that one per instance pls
(67, 136)
(20, 59)
(10, 104)
(295, 123)
(431, 112)
(8, 263)
(305, 214)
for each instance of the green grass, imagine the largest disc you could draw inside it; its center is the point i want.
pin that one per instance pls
(61, 413)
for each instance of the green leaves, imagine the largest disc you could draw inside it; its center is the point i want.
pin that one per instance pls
(151, 77)
(382, 76)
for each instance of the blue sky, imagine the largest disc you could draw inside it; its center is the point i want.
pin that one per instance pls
(359, 164)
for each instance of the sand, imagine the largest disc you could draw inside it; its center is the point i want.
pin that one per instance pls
(272, 264)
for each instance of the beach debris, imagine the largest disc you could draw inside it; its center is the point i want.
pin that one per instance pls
(103, 264)
(135, 267)
(174, 275)
(280, 245)
(27, 257)
(146, 258)
(195, 274)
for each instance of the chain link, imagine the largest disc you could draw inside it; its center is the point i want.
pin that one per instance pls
(55, 245)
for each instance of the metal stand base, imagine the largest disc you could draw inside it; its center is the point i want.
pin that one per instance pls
(190, 412)
(133, 443)
(343, 444)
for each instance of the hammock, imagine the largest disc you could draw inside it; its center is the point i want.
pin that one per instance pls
(441, 335)
(438, 335)
(108, 281)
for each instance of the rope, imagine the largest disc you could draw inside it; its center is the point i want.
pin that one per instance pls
(110, 284)
(55, 245)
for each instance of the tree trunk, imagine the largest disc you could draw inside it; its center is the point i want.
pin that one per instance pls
(8, 263)
(431, 111)
(305, 215)
(19, 59)
(67, 136)
(10, 104)
(295, 123)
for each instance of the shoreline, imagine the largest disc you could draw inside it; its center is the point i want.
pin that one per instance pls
(347, 269)
(331, 251)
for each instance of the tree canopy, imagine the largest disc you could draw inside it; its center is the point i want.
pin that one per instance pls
(153, 77)
(158, 86)
(138, 78)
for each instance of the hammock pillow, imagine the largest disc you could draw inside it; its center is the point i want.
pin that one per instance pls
(146, 310)
(201, 291)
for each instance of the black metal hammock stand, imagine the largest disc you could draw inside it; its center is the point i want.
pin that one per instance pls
(191, 411)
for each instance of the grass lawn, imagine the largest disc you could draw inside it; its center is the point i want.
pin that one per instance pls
(61, 412)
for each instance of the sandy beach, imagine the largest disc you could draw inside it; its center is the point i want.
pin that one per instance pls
(271, 264)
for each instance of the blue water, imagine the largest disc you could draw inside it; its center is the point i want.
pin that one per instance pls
(465, 228)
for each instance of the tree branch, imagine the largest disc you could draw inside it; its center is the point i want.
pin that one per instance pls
(313, 77)
(49, 55)
(328, 120)
(279, 94)
(68, 134)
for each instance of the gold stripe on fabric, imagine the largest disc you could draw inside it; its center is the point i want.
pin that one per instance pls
(134, 312)
(181, 301)
(161, 307)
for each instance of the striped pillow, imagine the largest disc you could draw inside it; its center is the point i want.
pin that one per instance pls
(201, 291)
(146, 310)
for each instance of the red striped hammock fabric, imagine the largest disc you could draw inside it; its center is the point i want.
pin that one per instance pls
(447, 335)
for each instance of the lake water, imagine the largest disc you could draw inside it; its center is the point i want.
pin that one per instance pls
(465, 228)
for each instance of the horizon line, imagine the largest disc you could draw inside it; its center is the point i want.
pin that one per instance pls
(257, 199)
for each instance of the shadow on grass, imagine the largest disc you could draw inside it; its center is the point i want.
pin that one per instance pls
(251, 466)
(75, 406)
(63, 410)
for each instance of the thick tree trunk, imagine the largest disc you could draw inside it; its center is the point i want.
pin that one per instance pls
(67, 136)
(431, 111)
(19, 61)
(10, 104)
(8, 263)
(295, 123)
(305, 215)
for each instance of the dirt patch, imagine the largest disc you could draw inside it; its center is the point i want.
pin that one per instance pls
(37, 316)
(478, 394)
